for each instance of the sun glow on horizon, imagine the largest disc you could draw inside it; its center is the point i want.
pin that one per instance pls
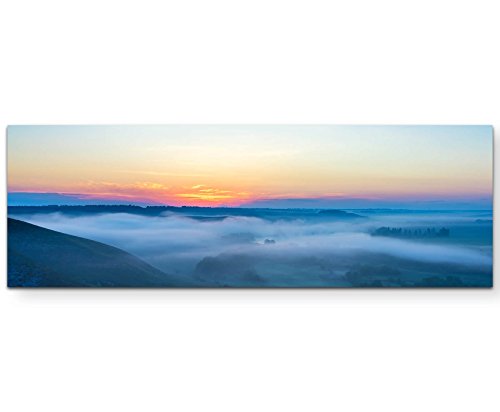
(235, 165)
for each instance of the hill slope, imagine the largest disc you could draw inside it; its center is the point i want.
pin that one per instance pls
(43, 257)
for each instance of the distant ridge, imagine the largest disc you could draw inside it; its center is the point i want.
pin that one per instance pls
(340, 214)
(75, 199)
(194, 212)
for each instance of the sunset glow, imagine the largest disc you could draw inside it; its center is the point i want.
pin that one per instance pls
(237, 165)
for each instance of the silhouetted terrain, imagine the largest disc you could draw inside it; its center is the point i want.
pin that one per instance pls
(194, 212)
(412, 233)
(43, 257)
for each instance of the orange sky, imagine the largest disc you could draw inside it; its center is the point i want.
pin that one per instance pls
(230, 165)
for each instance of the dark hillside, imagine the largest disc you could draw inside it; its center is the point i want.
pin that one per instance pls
(43, 257)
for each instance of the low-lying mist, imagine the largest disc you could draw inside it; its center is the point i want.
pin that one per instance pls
(249, 251)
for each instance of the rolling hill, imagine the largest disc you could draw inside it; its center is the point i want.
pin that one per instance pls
(39, 257)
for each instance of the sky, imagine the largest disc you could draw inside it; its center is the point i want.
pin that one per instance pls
(259, 165)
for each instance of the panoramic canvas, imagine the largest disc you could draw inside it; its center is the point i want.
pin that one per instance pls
(250, 206)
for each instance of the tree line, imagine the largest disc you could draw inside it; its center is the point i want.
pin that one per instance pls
(404, 232)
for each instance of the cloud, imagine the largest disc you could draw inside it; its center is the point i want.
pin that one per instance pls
(44, 199)
(211, 195)
(139, 193)
(344, 202)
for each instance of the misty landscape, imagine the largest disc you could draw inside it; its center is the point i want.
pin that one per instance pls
(248, 247)
(250, 206)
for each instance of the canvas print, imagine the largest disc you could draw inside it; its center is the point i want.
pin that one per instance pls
(258, 206)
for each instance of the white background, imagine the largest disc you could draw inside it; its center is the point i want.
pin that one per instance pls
(354, 62)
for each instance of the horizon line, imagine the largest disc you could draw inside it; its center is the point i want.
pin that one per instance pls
(239, 207)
